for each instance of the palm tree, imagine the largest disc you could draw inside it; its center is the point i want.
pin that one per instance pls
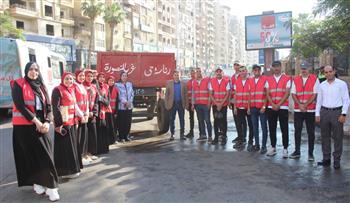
(91, 9)
(113, 16)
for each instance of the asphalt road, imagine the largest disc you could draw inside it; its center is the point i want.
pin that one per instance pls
(152, 169)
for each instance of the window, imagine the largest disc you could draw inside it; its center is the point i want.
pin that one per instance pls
(61, 14)
(48, 11)
(20, 25)
(49, 62)
(62, 32)
(100, 27)
(50, 30)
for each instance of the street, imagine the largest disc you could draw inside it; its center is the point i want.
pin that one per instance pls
(153, 169)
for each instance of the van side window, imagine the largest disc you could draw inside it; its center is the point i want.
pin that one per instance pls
(61, 67)
(32, 57)
(49, 62)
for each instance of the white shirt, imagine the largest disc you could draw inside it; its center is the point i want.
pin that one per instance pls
(277, 79)
(294, 91)
(332, 95)
(38, 105)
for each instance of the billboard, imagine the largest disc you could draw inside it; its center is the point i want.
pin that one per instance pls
(268, 31)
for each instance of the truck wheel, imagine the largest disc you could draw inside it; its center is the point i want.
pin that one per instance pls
(162, 117)
(150, 110)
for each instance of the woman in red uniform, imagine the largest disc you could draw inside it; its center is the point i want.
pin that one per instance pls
(66, 147)
(103, 103)
(82, 111)
(91, 125)
(111, 114)
(32, 145)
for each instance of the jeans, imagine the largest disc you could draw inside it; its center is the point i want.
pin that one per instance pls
(242, 119)
(177, 107)
(203, 116)
(220, 124)
(255, 114)
(309, 118)
(272, 117)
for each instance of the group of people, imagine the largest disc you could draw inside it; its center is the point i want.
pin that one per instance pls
(88, 110)
(258, 98)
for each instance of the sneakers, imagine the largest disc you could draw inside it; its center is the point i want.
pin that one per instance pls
(295, 155)
(235, 140)
(238, 145)
(38, 189)
(210, 139)
(250, 147)
(85, 161)
(202, 138)
(256, 148)
(53, 194)
(311, 157)
(214, 142)
(189, 135)
(171, 138)
(285, 153)
(271, 152)
(182, 137)
(263, 150)
(94, 157)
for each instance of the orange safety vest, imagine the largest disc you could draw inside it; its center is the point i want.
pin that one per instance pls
(81, 97)
(257, 92)
(29, 101)
(113, 100)
(219, 90)
(304, 93)
(201, 92)
(232, 93)
(103, 109)
(278, 89)
(242, 93)
(67, 107)
(189, 89)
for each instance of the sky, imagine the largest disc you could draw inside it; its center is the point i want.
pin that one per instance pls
(243, 8)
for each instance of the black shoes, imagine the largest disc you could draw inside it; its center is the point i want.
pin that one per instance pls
(189, 135)
(171, 138)
(295, 155)
(336, 165)
(325, 163)
(182, 137)
(214, 142)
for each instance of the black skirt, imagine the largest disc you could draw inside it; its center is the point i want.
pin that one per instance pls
(92, 137)
(82, 139)
(110, 128)
(66, 152)
(33, 157)
(102, 137)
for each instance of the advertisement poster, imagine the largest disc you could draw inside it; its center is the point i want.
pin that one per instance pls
(268, 31)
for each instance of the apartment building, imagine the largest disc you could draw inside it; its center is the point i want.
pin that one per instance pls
(222, 36)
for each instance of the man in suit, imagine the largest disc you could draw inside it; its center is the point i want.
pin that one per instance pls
(176, 100)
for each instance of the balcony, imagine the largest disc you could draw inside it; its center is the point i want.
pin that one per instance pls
(18, 10)
(127, 35)
(66, 20)
(67, 3)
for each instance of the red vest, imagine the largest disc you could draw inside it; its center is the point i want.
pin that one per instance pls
(257, 92)
(81, 97)
(242, 93)
(113, 97)
(92, 94)
(67, 103)
(103, 109)
(29, 101)
(189, 89)
(201, 92)
(232, 94)
(304, 93)
(278, 89)
(219, 90)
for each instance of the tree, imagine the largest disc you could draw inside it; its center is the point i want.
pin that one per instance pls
(91, 9)
(113, 15)
(7, 29)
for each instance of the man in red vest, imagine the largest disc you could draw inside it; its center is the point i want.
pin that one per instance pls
(201, 102)
(258, 107)
(190, 111)
(277, 92)
(242, 109)
(219, 90)
(304, 90)
(234, 77)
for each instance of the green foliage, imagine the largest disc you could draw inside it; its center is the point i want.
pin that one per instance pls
(7, 29)
(92, 8)
(113, 14)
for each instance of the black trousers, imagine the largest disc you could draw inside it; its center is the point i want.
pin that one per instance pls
(272, 118)
(191, 113)
(235, 118)
(220, 122)
(242, 120)
(124, 123)
(309, 118)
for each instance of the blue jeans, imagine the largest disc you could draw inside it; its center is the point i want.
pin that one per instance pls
(203, 115)
(177, 107)
(255, 114)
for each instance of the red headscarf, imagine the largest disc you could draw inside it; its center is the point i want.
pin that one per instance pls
(65, 74)
(86, 83)
(77, 73)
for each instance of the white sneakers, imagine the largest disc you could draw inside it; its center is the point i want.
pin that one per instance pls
(271, 152)
(38, 189)
(53, 194)
(94, 157)
(86, 161)
(285, 153)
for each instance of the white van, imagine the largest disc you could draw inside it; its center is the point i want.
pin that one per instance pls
(15, 54)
